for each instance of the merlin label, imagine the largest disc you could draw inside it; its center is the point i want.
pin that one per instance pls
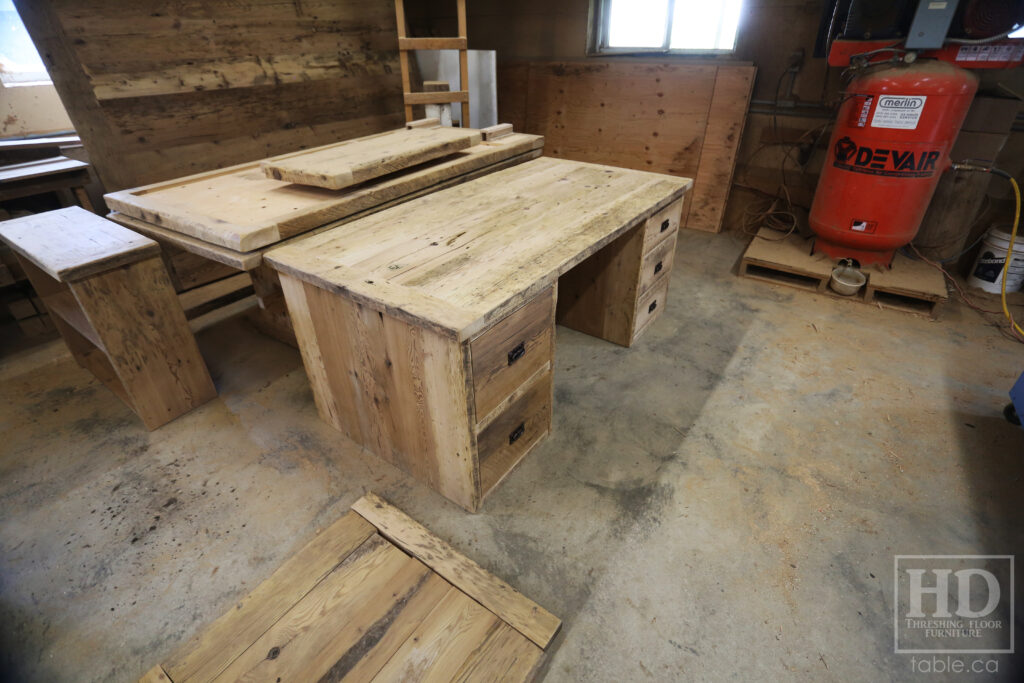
(898, 111)
(896, 163)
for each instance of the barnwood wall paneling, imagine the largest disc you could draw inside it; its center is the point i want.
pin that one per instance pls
(162, 89)
(680, 118)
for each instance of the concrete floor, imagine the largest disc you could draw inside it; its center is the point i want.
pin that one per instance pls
(724, 500)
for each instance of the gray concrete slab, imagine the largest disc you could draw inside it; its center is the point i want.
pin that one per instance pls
(722, 501)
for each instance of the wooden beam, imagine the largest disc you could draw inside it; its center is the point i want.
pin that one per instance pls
(436, 97)
(432, 43)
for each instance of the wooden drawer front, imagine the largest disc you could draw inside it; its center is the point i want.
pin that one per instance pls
(657, 264)
(651, 305)
(511, 351)
(512, 433)
(662, 224)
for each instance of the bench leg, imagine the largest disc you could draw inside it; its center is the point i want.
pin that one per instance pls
(146, 339)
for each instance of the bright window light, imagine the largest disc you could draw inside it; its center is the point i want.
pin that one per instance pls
(1019, 33)
(637, 23)
(19, 61)
(694, 25)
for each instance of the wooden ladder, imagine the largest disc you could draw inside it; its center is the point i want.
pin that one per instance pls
(405, 44)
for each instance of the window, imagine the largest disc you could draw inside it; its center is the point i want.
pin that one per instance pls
(20, 64)
(683, 26)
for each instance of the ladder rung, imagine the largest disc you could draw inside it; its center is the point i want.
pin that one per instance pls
(432, 43)
(436, 97)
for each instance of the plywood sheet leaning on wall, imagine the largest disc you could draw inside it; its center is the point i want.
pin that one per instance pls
(684, 119)
(159, 91)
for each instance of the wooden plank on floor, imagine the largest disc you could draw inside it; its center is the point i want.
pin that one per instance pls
(511, 606)
(442, 645)
(155, 675)
(211, 651)
(506, 655)
(328, 622)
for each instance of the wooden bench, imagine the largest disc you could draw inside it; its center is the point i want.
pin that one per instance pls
(112, 301)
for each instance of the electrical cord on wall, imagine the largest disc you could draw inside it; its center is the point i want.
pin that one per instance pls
(1013, 233)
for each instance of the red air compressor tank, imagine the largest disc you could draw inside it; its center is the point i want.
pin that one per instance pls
(891, 143)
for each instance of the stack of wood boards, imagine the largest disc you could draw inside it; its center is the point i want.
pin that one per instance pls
(227, 214)
(680, 118)
(231, 216)
(376, 596)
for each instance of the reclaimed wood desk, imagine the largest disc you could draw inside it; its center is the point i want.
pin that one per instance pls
(427, 329)
(233, 215)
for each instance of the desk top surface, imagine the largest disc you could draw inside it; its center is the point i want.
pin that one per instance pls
(241, 209)
(70, 244)
(459, 259)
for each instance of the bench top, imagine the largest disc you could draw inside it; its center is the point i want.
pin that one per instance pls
(458, 259)
(71, 244)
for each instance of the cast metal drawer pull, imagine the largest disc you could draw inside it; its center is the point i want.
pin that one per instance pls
(664, 225)
(654, 304)
(517, 353)
(516, 433)
(657, 268)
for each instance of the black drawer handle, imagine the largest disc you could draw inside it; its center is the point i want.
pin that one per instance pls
(517, 353)
(516, 433)
(664, 225)
(657, 268)
(654, 304)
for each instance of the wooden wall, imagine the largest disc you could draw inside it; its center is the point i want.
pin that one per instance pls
(159, 89)
(668, 117)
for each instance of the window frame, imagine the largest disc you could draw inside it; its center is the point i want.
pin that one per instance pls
(597, 36)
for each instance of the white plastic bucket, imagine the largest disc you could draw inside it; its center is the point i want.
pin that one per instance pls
(987, 273)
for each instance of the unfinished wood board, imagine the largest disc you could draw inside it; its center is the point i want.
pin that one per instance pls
(653, 116)
(70, 244)
(243, 210)
(460, 259)
(362, 159)
(726, 116)
(356, 605)
(11, 173)
(908, 285)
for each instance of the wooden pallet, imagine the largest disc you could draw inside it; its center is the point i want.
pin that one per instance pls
(376, 596)
(909, 285)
